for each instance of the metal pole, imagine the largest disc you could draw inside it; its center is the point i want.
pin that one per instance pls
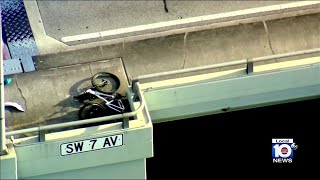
(285, 55)
(3, 147)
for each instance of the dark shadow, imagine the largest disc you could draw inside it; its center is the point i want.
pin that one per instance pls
(13, 109)
(234, 141)
(67, 111)
(71, 103)
(79, 86)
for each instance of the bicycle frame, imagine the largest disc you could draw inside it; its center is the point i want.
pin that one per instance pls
(119, 107)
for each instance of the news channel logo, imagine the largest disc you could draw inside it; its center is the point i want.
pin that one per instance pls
(282, 150)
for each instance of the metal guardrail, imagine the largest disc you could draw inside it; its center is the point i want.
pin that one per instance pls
(83, 122)
(248, 62)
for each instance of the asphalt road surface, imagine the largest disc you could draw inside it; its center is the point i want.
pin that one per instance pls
(66, 18)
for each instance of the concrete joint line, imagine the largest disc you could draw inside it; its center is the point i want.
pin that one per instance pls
(184, 50)
(125, 70)
(268, 36)
(101, 52)
(123, 48)
(91, 72)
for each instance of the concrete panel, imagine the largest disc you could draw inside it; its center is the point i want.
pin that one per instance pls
(33, 157)
(294, 34)
(248, 91)
(111, 51)
(8, 166)
(68, 58)
(154, 55)
(47, 95)
(78, 56)
(226, 44)
(124, 170)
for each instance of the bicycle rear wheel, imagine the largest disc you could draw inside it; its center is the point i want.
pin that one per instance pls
(89, 111)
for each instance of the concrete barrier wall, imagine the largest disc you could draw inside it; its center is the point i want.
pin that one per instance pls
(201, 47)
(294, 34)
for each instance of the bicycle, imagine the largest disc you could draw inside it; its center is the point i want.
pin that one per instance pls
(101, 99)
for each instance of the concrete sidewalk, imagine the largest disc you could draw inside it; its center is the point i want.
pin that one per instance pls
(47, 95)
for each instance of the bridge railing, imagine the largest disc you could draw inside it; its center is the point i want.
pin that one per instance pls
(249, 62)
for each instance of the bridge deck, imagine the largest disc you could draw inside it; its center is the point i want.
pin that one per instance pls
(46, 94)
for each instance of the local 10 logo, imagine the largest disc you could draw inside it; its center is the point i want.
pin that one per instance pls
(282, 150)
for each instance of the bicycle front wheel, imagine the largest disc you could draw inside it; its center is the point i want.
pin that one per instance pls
(105, 82)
